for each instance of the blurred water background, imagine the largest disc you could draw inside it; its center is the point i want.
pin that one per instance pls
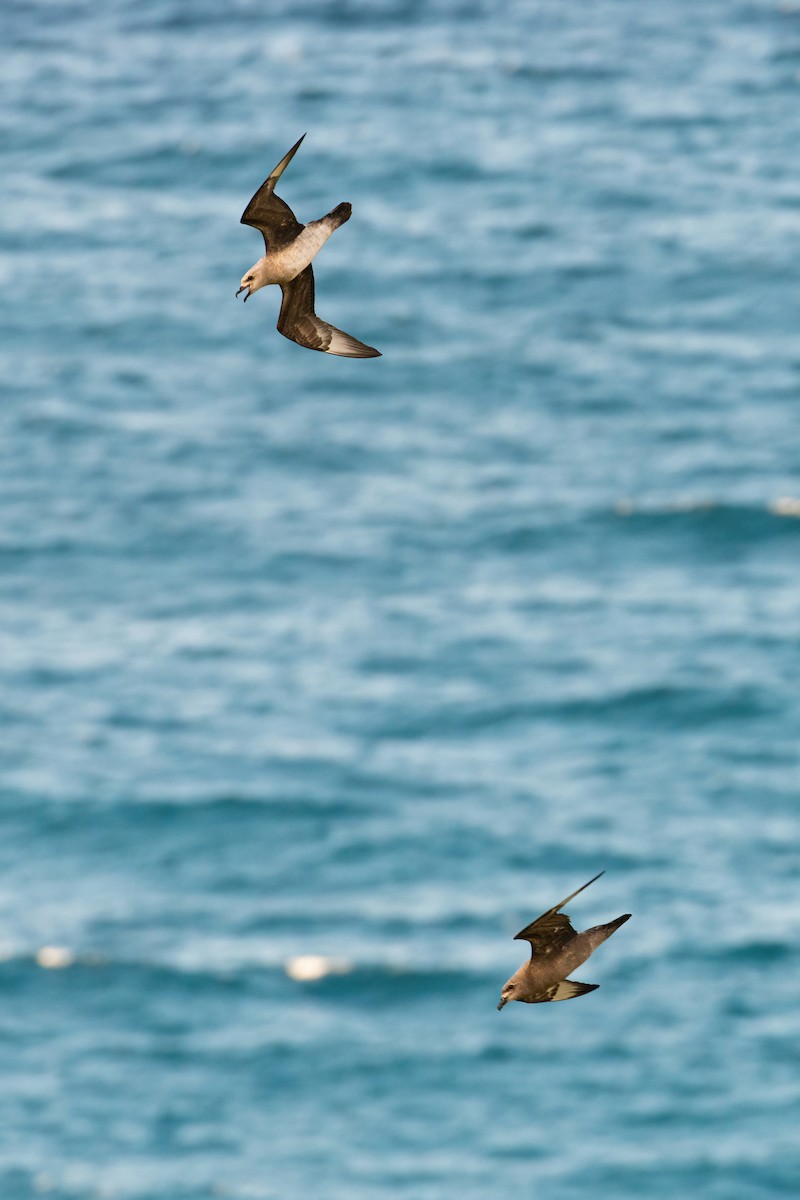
(374, 661)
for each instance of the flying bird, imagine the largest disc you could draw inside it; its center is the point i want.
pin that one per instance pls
(556, 949)
(289, 249)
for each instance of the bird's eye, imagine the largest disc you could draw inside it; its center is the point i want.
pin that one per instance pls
(249, 279)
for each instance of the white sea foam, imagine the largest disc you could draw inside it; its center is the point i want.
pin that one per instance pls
(307, 967)
(54, 957)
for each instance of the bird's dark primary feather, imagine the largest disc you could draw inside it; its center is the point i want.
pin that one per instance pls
(552, 929)
(299, 323)
(268, 213)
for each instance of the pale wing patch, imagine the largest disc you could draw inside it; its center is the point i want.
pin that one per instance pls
(569, 988)
(347, 346)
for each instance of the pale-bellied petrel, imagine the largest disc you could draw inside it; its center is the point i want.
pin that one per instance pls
(556, 949)
(290, 247)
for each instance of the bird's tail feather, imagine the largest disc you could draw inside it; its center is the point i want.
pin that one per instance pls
(340, 214)
(611, 926)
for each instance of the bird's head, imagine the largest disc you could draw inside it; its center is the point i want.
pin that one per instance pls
(508, 993)
(250, 283)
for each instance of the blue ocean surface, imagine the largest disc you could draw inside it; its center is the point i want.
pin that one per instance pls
(319, 678)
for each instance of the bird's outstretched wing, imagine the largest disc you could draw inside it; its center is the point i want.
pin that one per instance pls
(552, 930)
(299, 323)
(271, 215)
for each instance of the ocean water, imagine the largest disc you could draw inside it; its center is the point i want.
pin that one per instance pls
(319, 678)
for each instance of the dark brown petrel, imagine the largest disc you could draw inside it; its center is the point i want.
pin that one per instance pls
(556, 949)
(290, 247)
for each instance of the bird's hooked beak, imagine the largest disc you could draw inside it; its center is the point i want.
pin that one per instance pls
(244, 288)
(502, 1003)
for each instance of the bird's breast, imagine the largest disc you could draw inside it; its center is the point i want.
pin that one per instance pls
(286, 263)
